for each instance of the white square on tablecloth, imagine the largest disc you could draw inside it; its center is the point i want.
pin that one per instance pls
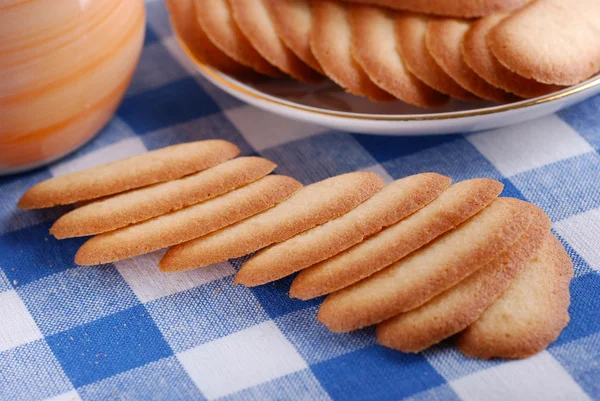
(266, 130)
(148, 282)
(68, 396)
(119, 150)
(540, 377)
(518, 148)
(241, 360)
(582, 232)
(17, 325)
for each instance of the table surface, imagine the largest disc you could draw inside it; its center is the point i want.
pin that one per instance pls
(126, 331)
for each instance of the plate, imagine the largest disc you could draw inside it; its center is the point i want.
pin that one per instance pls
(326, 104)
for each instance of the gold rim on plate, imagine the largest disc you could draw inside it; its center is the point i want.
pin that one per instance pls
(234, 85)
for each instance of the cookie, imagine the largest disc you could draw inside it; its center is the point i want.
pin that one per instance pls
(444, 41)
(552, 41)
(188, 223)
(532, 312)
(293, 23)
(429, 271)
(216, 20)
(411, 29)
(455, 309)
(450, 8)
(331, 43)
(394, 202)
(478, 56)
(455, 205)
(374, 47)
(133, 172)
(313, 205)
(145, 203)
(182, 15)
(254, 20)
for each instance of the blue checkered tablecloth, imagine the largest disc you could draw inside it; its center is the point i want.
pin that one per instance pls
(126, 331)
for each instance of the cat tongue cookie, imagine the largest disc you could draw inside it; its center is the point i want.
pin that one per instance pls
(455, 205)
(375, 48)
(392, 203)
(429, 271)
(311, 206)
(133, 172)
(331, 43)
(444, 39)
(411, 29)
(551, 41)
(455, 309)
(186, 224)
(478, 56)
(532, 312)
(293, 22)
(254, 20)
(216, 20)
(144, 203)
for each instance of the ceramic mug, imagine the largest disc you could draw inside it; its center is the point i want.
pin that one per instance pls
(64, 67)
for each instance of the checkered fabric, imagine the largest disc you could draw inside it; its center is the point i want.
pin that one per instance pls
(126, 331)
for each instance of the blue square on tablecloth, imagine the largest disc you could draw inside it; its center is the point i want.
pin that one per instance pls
(584, 309)
(164, 379)
(385, 148)
(32, 253)
(199, 315)
(458, 159)
(584, 119)
(564, 188)
(150, 36)
(171, 104)
(31, 372)
(376, 373)
(109, 346)
(76, 296)
(510, 190)
(315, 342)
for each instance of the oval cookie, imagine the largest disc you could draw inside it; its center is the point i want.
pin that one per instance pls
(532, 312)
(186, 224)
(455, 205)
(133, 172)
(444, 41)
(331, 43)
(455, 309)
(145, 203)
(429, 271)
(392, 203)
(375, 48)
(312, 205)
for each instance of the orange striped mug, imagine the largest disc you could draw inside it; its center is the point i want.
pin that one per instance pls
(64, 67)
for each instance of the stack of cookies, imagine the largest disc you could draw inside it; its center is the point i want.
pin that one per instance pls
(420, 258)
(419, 51)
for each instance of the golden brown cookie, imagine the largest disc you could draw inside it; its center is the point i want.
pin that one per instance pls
(194, 39)
(133, 172)
(455, 205)
(312, 205)
(478, 56)
(331, 43)
(394, 202)
(188, 223)
(411, 29)
(254, 20)
(444, 41)
(293, 22)
(145, 203)
(552, 41)
(429, 271)
(374, 47)
(216, 20)
(450, 8)
(532, 312)
(455, 309)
